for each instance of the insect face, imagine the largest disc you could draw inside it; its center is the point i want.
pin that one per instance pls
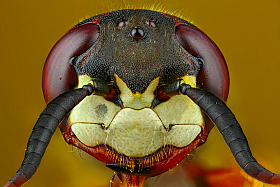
(131, 55)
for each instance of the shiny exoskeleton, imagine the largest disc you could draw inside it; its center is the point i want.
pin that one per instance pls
(142, 91)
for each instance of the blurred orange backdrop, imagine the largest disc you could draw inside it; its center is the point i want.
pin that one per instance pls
(247, 32)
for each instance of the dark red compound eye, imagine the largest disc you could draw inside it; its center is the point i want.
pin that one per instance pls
(214, 76)
(58, 75)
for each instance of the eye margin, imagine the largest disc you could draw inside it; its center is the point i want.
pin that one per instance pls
(214, 75)
(58, 74)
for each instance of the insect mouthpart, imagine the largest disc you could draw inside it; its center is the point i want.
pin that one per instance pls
(170, 130)
(153, 164)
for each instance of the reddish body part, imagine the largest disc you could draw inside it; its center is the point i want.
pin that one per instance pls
(151, 165)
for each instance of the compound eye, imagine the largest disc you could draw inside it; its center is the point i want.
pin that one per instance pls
(58, 74)
(122, 23)
(213, 76)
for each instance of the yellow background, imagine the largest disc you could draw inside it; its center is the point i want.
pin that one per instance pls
(247, 32)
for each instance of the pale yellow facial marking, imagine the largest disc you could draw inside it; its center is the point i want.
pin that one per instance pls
(180, 109)
(137, 100)
(189, 79)
(136, 130)
(83, 80)
(136, 133)
(94, 108)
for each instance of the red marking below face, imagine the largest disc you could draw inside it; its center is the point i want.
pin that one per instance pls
(157, 163)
